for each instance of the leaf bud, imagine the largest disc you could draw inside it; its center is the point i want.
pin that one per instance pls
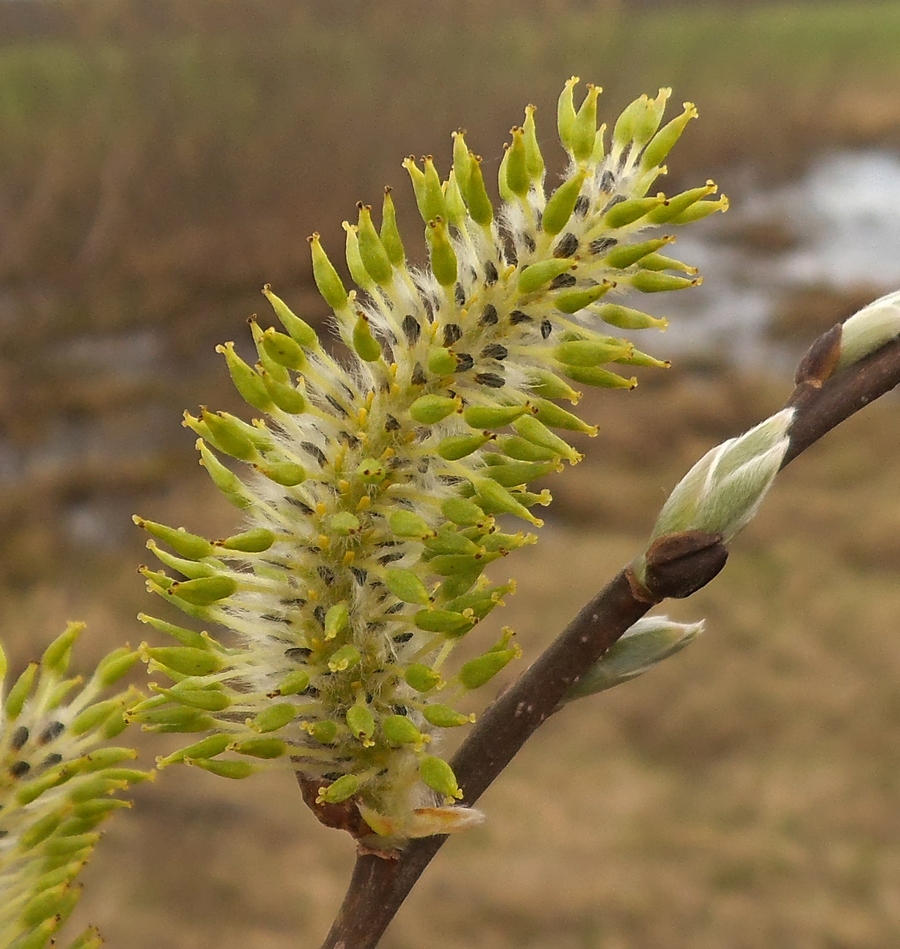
(869, 329)
(644, 645)
(724, 489)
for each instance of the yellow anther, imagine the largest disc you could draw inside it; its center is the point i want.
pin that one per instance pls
(324, 541)
(321, 510)
(349, 557)
(343, 486)
(364, 503)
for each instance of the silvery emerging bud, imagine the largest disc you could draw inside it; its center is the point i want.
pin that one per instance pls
(723, 491)
(643, 645)
(869, 329)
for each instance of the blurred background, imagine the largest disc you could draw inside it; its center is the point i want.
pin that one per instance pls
(161, 159)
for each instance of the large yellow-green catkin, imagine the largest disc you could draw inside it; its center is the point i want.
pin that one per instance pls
(380, 489)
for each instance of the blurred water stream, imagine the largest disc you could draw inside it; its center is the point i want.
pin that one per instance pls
(835, 230)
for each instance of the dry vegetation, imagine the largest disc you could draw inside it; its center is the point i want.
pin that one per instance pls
(746, 793)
